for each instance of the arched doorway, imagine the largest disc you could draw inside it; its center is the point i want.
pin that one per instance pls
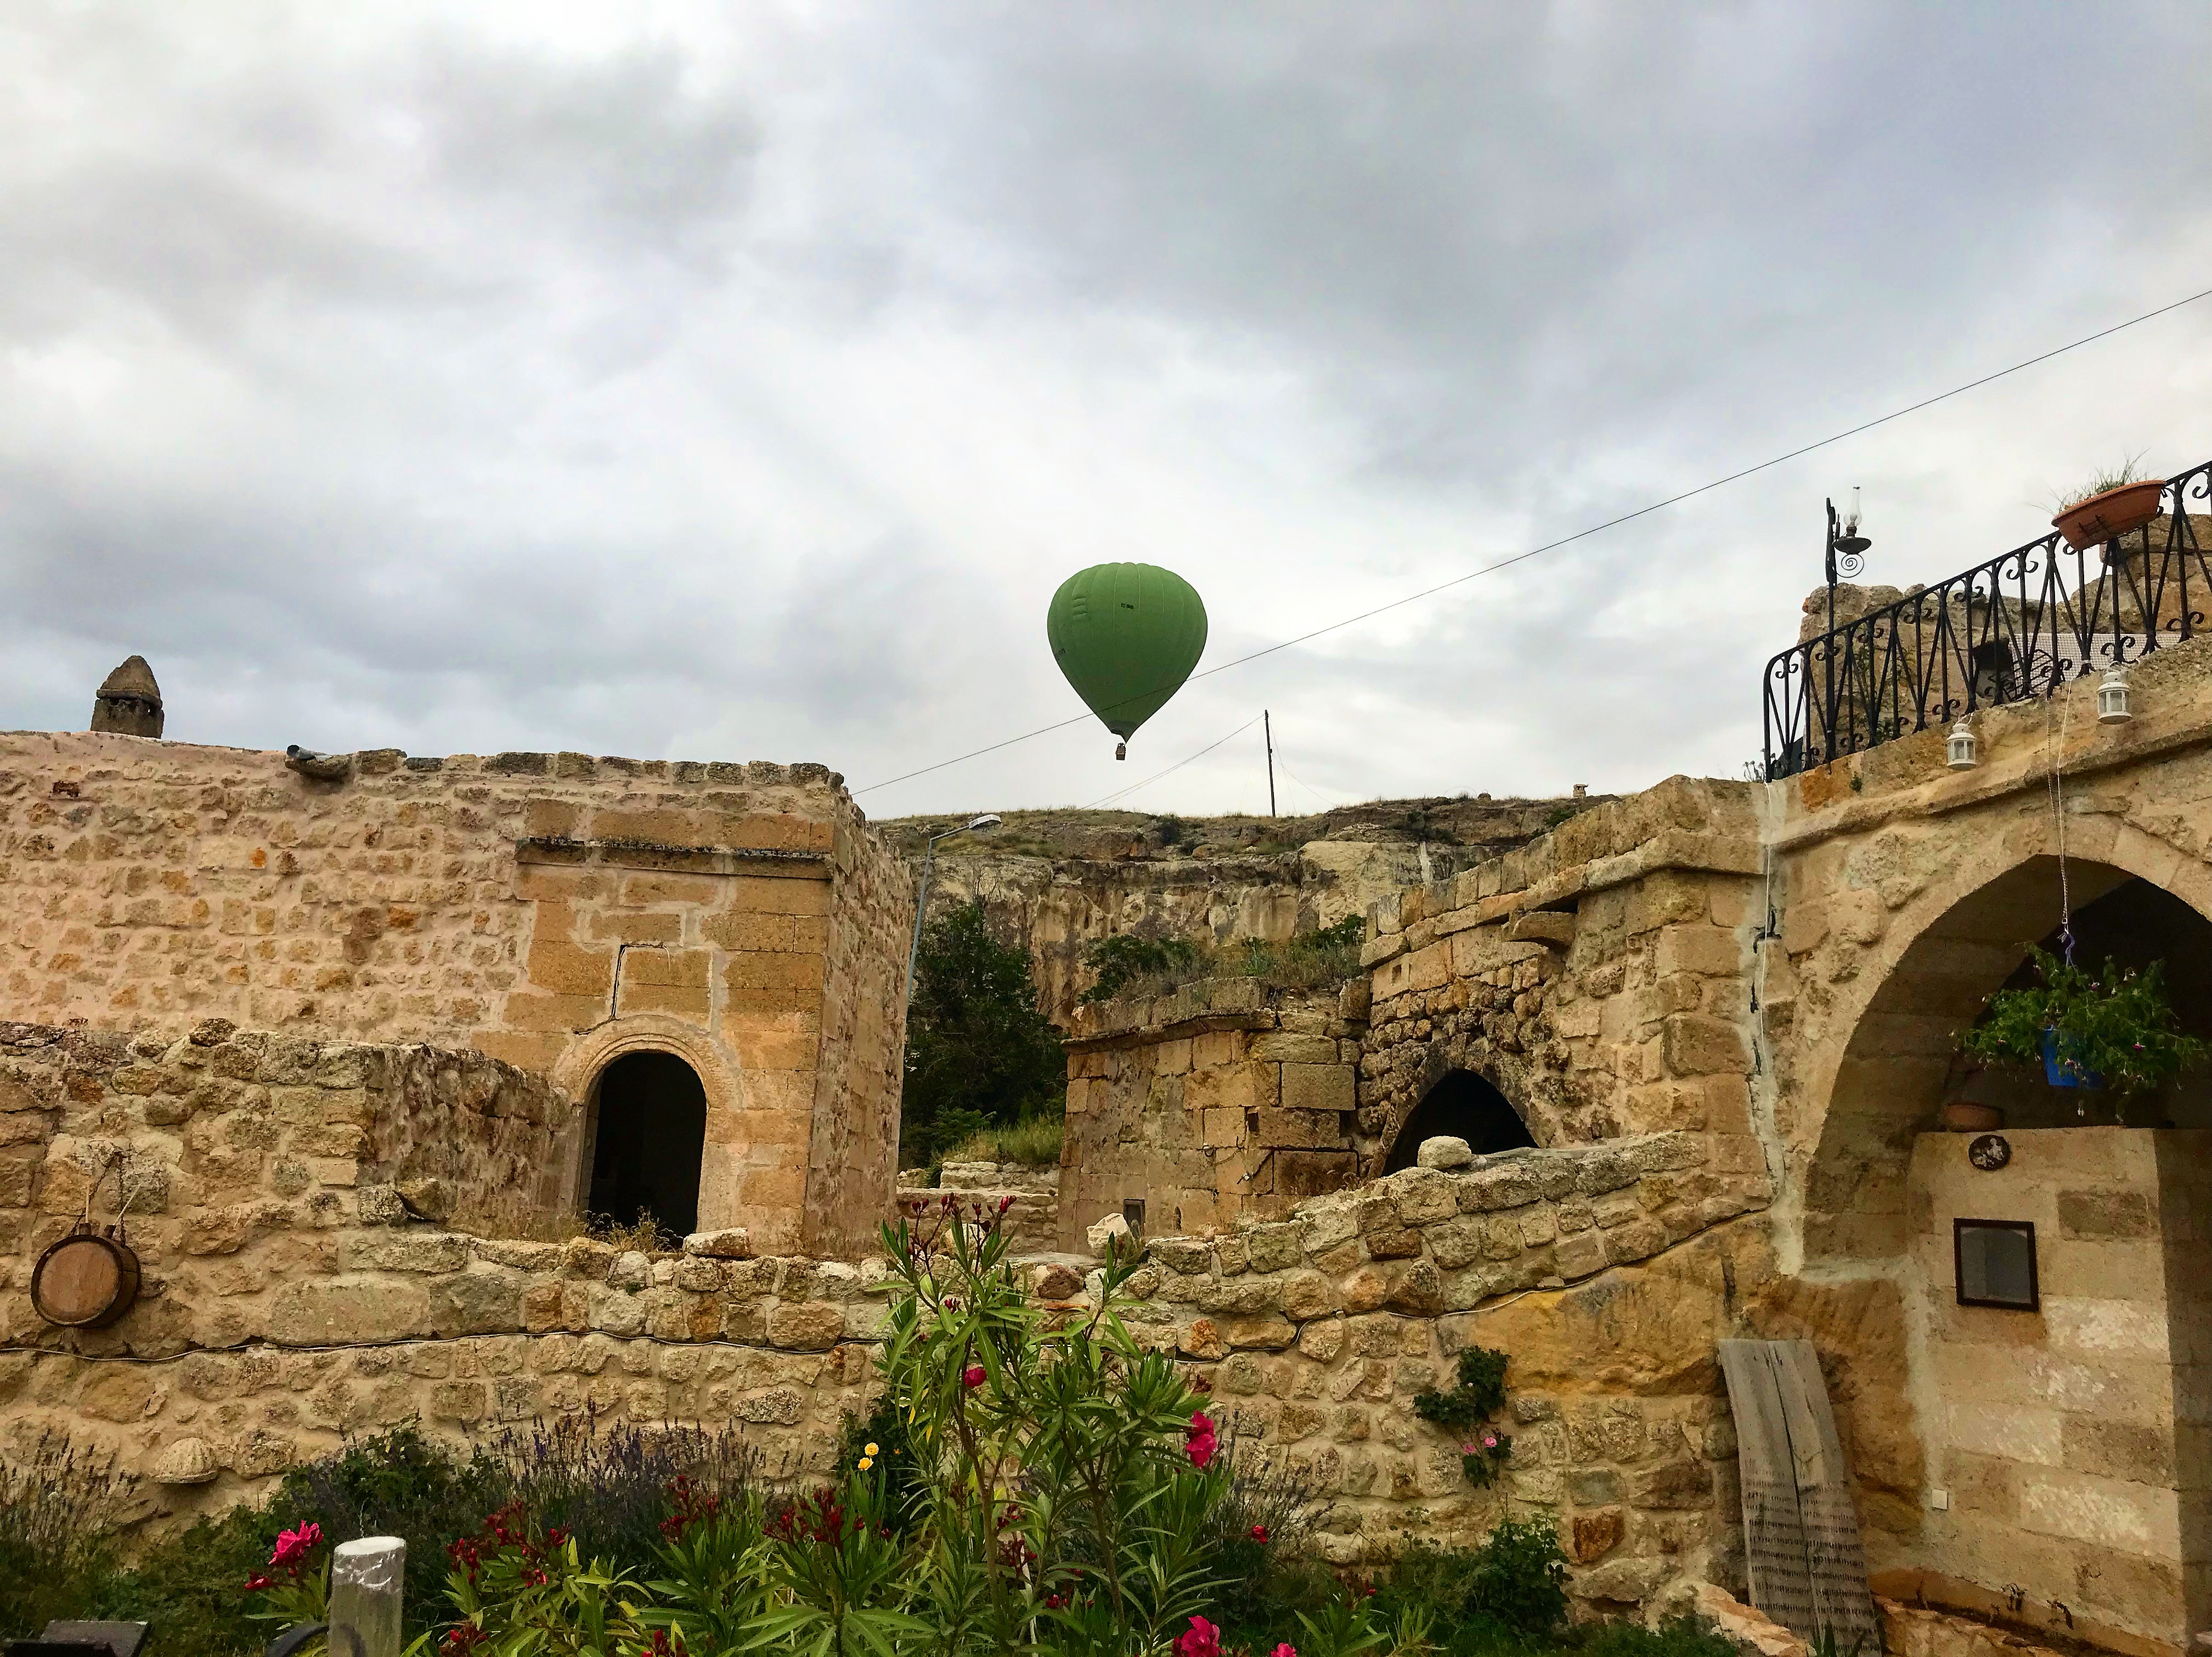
(1948, 1368)
(1902, 1054)
(1465, 1106)
(648, 1133)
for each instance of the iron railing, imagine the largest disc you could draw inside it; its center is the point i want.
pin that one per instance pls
(2020, 626)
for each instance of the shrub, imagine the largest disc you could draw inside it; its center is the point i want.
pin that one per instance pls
(1122, 961)
(1510, 1591)
(1679, 1637)
(59, 1510)
(1308, 960)
(1520, 1579)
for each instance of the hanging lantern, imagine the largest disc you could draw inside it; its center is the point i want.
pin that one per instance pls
(1959, 750)
(2112, 698)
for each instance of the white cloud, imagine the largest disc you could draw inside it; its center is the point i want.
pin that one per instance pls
(679, 381)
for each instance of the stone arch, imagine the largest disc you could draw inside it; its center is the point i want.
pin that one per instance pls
(1890, 1072)
(1466, 1105)
(580, 1071)
(647, 1122)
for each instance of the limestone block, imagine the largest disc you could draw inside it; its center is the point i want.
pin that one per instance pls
(407, 1250)
(1620, 1582)
(1443, 1151)
(1184, 1254)
(732, 1243)
(1749, 1631)
(1698, 1044)
(1269, 1331)
(187, 1461)
(1274, 1247)
(1580, 1255)
(321, 1311)
(1423, 1195)
(806, 1326)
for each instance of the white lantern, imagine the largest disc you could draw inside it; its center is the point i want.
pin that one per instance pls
(2112, 698)
(1959, 750)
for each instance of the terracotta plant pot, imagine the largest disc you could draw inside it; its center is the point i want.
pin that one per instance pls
(1961, 1117)
(2109, 516)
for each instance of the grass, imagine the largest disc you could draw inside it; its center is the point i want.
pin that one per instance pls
(1130, 968)
(2127, 471)
(1033, 1142)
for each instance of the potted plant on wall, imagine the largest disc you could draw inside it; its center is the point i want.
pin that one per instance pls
(2112, 1030)
(2110, 505)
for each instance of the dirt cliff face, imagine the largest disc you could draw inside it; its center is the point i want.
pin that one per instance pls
(1058, 881)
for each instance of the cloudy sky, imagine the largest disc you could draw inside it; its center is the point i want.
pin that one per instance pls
(740, 381)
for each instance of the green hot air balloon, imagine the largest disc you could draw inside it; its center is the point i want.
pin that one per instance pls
(1126, 635)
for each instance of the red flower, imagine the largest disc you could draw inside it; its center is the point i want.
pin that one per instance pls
(1286, 1649)
(294, 1546)
(1199, 1440)
(1259, 1534)
(973, 1375)
(1204, 1640)
(255, 1583)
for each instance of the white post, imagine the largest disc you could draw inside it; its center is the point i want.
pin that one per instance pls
(367, 1579)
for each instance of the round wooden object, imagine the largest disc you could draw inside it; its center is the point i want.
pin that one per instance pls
(85, 1281)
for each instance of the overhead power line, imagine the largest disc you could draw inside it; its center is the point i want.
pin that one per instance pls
(1568, 540)
(1124, 794)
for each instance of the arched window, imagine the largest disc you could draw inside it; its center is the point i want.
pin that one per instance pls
(649, 1130)
(1465, 1106)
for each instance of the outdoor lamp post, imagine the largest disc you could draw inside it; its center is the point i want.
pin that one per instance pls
(988, 820)
(1846, 557)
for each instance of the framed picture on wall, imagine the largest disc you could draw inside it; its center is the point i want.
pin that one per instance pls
(1993, 1264)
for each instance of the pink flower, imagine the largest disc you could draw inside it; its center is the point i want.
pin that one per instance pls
(295, 1545)
(1204, 1640)
(1286, 1649)
(1199, 1440)
(973, 1375)
(1467, 1449)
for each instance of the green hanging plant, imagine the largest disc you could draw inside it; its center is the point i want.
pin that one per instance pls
(2112, 1028)
(1468, 1408)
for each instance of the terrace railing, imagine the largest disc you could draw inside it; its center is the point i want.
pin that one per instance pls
(2020, 626)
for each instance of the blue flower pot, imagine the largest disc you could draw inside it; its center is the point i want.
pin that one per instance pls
(2061, 1068)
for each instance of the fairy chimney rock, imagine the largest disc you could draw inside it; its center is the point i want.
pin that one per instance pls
(128, 702)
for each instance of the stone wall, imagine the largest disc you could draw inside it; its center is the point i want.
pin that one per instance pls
(1031, 1195)
(221, 1136)
(1597, 977)
(1605, 1273)
(2070, 1441)
(555, 911)
(1227, 1098)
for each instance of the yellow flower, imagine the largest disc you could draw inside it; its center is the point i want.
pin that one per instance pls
(866, 1463)
(868, 1450)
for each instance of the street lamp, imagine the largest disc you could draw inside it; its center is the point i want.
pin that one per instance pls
(988, 820)
(1846, 557)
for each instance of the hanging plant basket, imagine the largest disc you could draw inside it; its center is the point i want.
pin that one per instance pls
(2108, 516)
(2106, 1029)
(2062, 1063)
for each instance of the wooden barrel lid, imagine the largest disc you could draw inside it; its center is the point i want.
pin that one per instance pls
(84, 1280)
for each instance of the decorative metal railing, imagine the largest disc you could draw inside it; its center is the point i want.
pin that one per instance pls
(2019, 625)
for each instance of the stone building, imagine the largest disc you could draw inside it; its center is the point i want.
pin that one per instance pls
(705, 958)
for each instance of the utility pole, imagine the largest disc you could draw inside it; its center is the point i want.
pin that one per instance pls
(1267, 730)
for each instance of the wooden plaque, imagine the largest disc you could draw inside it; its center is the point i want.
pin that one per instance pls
(85, 1281)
